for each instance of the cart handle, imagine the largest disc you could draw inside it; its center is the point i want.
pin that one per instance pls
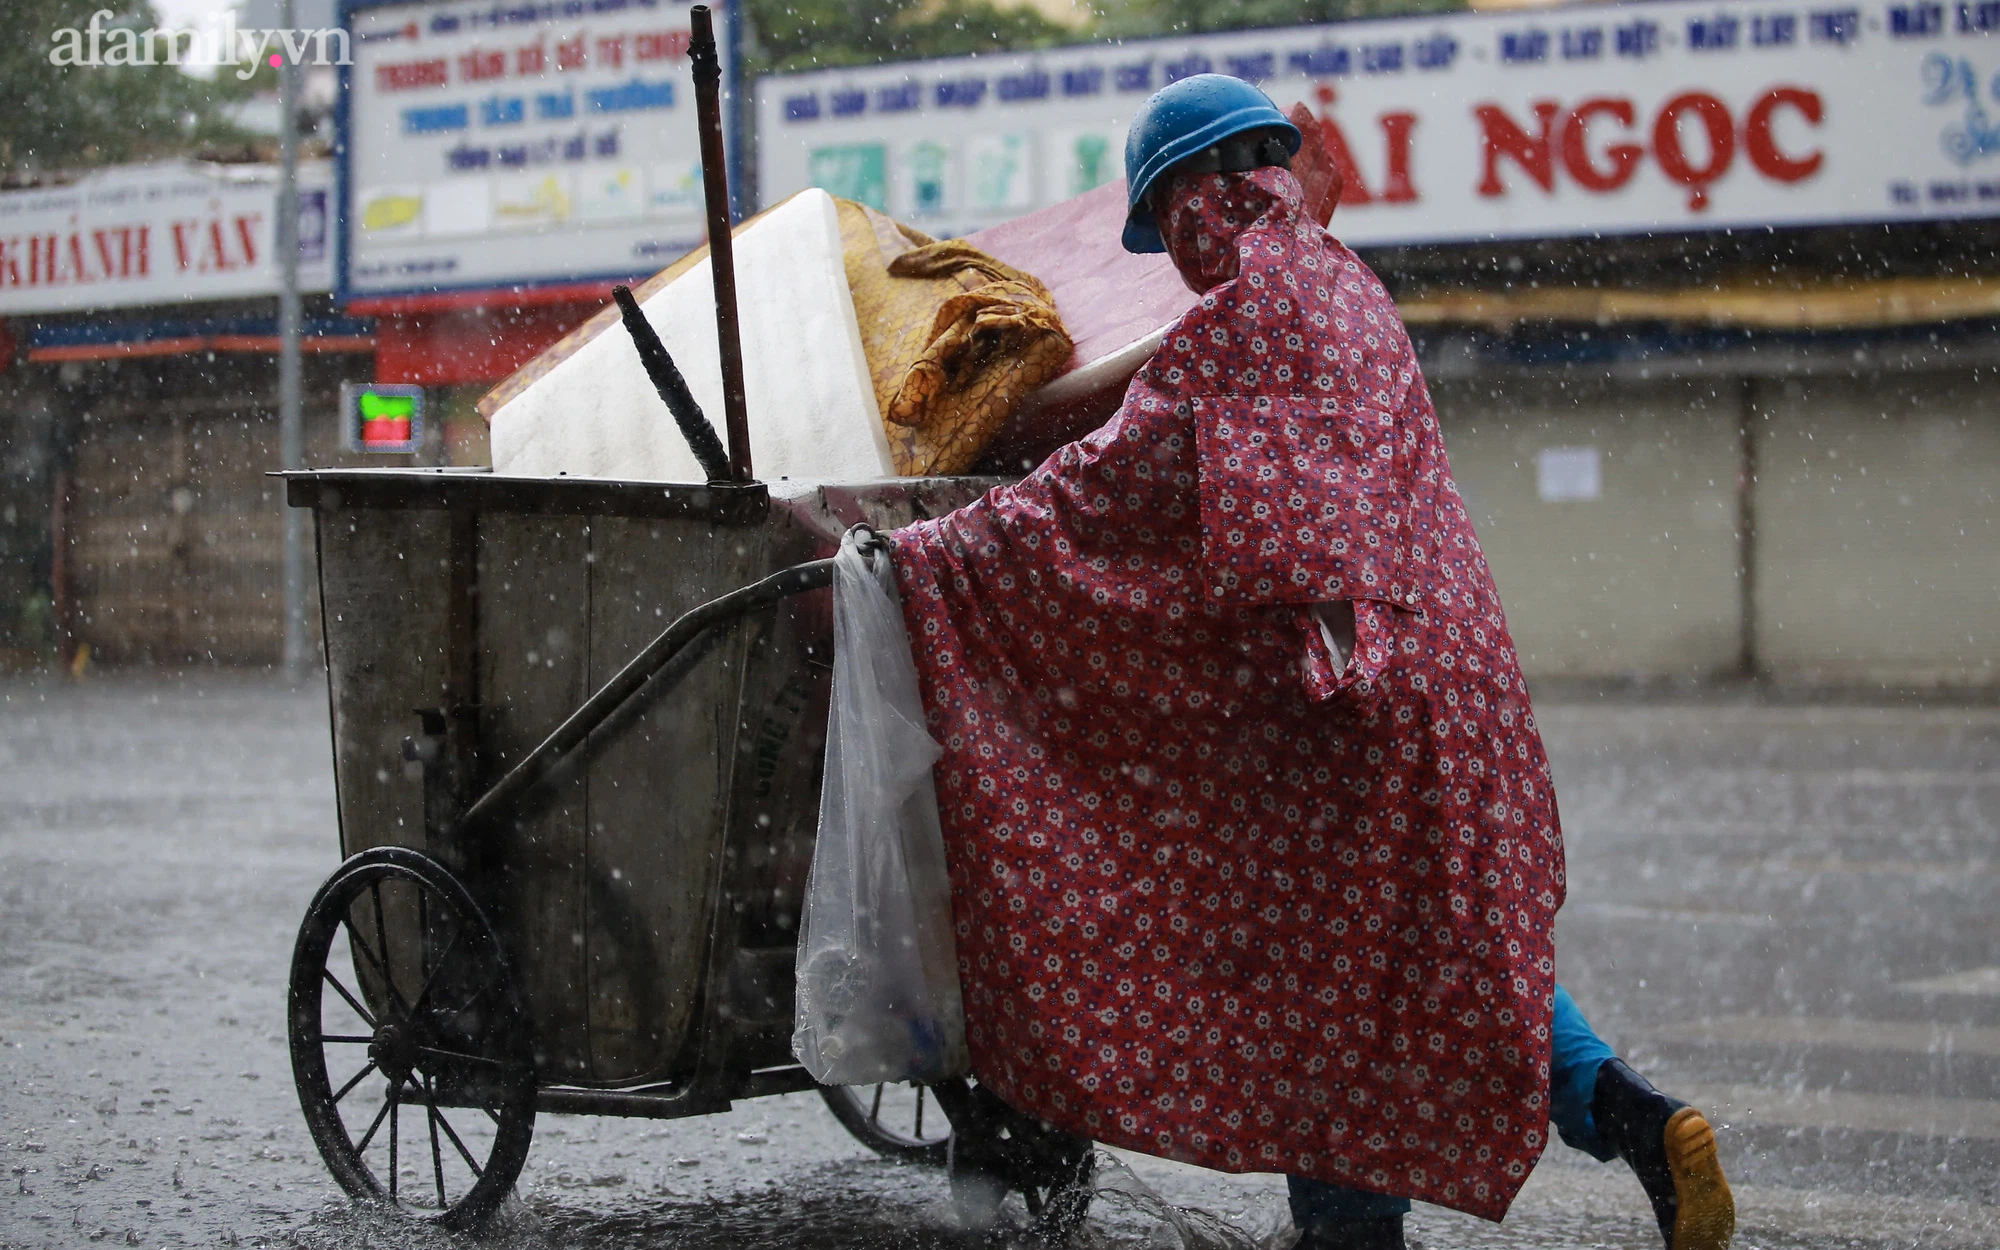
(707, 67)
(600, 707)
(673, 388)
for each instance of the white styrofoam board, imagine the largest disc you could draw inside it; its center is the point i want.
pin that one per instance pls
(811, 401)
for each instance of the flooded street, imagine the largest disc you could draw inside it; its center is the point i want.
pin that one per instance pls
(1784, 914)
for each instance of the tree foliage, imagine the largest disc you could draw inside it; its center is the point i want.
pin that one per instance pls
(67, 116)
(70, 116)
(1139, 18)
(809, 34)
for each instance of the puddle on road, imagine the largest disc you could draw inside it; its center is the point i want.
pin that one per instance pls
(842, 1207)
(779, 1221)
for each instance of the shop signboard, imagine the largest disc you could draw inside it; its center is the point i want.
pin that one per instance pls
(513, 146)
(1595, 119)
(171, 233)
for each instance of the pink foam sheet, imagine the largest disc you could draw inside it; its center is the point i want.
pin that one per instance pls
(1115, 305)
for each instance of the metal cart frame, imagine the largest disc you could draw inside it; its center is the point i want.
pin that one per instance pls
(575, 888)
(449, 599)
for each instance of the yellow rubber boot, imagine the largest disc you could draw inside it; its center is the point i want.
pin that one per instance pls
(1671, 1148)
(1705, 1210)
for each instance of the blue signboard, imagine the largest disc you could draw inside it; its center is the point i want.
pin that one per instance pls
(498, 146)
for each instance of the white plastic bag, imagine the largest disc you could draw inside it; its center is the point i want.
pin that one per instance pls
(878, 992)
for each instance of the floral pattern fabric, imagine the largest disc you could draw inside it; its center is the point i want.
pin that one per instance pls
(1220, 897)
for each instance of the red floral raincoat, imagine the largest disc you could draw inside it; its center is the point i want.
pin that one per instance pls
(1221, 896)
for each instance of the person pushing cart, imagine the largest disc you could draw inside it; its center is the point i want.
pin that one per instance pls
(1253, 842)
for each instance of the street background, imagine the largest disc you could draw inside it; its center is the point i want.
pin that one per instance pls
(1726, 429)
(1780, 911)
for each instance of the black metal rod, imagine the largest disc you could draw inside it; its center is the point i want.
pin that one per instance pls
(707, 66)
(812, 575)
(673, 388)
(647, 1103)
(667, 1102)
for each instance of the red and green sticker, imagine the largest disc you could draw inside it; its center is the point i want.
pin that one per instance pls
(386, 418)
(382, 417)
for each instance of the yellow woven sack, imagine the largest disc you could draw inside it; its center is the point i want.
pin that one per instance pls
(955, 340)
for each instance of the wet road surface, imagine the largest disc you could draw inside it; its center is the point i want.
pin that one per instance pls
(1785, 914)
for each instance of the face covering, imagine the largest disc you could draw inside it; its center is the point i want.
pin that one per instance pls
(1201, 217)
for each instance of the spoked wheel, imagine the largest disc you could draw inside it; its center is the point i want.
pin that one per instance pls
(995, 1150)
(901, 1121)
(410, 1051)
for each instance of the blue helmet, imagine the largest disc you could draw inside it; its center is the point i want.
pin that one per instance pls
(1190, 117)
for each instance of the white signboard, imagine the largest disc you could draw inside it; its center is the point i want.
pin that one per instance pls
(157, 234)
(518, 144)
(1617, 118)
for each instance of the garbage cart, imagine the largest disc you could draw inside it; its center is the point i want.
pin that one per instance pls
(578, 729)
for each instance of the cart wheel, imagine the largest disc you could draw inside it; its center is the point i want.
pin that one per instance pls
(893, 1120)
(431, 1022)
(995, 1150)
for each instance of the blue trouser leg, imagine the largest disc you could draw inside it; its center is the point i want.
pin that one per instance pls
(1575, 1054)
